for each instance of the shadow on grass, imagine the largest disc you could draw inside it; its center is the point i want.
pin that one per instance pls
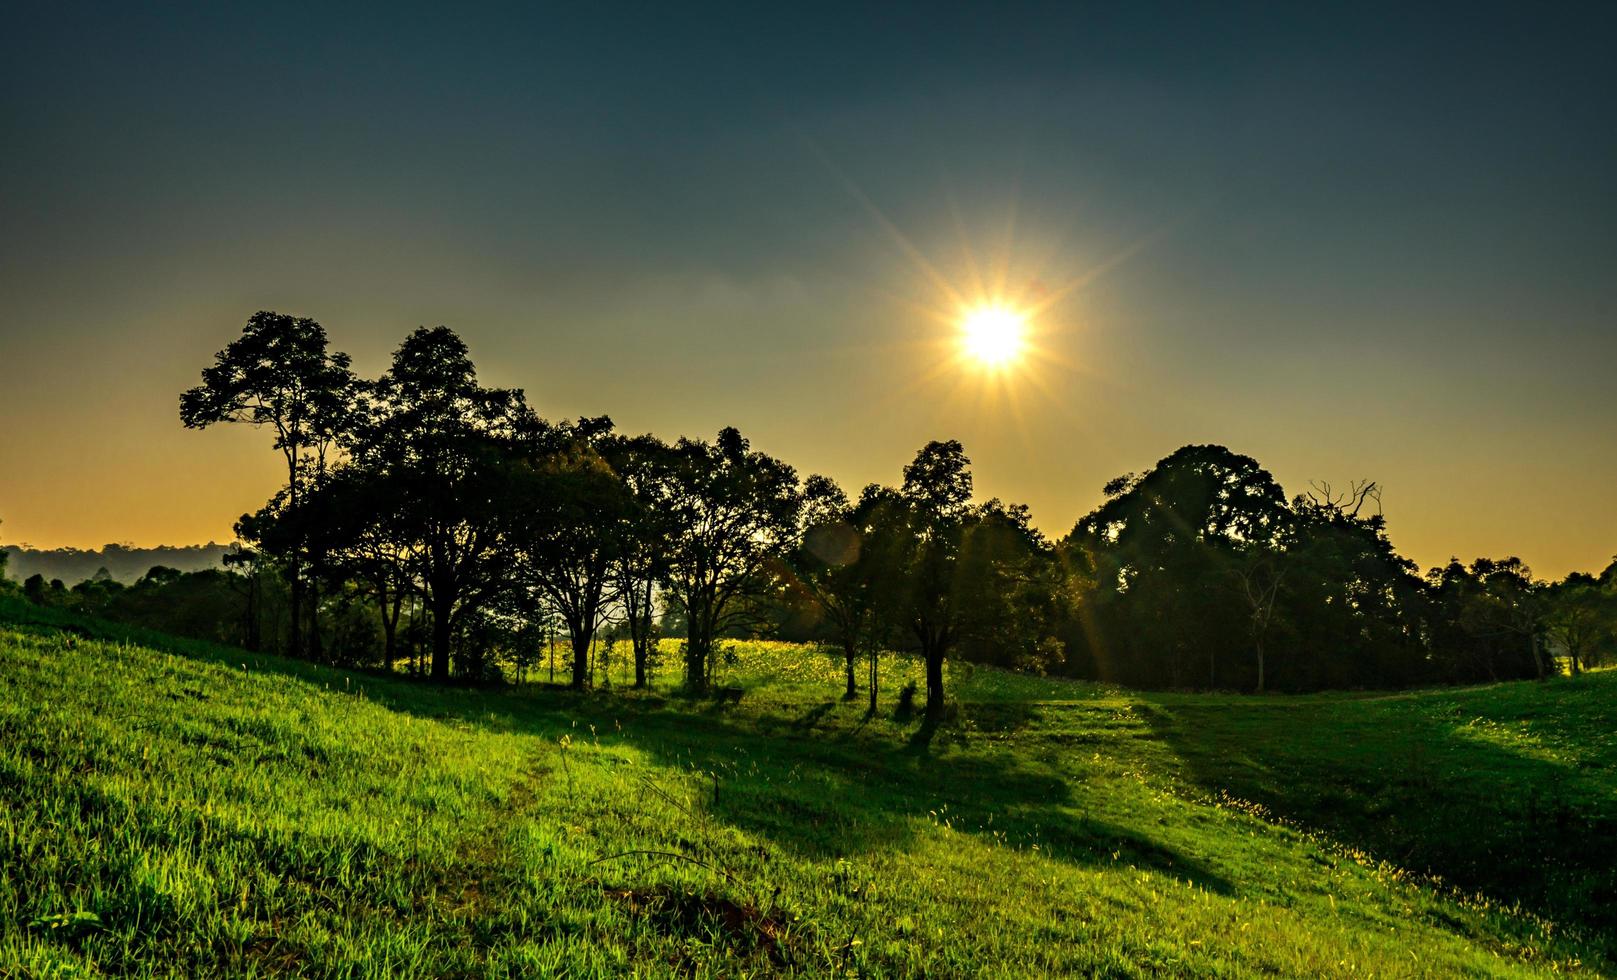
(827, 791)
(820, 782)
(1403, 780)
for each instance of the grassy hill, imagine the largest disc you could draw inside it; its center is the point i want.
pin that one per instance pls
(171, 808)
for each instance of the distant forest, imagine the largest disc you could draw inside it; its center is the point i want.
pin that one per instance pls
(120, 562)
(436, 525)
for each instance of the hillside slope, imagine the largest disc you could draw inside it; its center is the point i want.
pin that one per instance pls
(197, 811)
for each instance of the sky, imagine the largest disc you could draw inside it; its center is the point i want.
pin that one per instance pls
(1350, 241)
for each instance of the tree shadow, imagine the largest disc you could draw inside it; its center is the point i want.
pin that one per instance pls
(1400, 779)
(822, 784)
(829, 791)
(813, 717)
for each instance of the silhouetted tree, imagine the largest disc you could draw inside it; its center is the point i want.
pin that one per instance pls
(957, 570)
(250, 570)
(1510, 603)
(644, 465)
(362, 518)
(568, 510)
(1484, 621)
(1580, 618)
(1171, 555)
(831, 567)
(279, 373)
(734, 511)
(444, 444)
(1350, 608)
(35, 589)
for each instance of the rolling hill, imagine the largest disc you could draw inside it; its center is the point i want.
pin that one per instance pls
(172, 808)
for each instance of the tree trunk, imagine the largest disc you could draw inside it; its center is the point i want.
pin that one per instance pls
(581, 656)
(315, 651)
(440, 640)
(390, 624)
(640, 632)
(1259, 646)
(874, 667)
(850, 652)
(695, 664)
(253, 612)
(934, 682)
(296, 610)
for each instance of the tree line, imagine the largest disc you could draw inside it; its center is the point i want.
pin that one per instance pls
(430, 520)
(124, 562)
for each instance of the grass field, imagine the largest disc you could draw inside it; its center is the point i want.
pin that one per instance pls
(171, 808)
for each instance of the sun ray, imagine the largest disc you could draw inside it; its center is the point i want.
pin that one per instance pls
(992, 325)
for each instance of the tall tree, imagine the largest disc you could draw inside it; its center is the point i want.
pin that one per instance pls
(1349, 609)
(445, 443)
(957, 570)
(1485, 620)
(735, 514)
(362, 518)
(1511, 603)
(832, 567)
(643, 464)
(1582, 619)
(568, 516)
(281, 375)
(1163, 552)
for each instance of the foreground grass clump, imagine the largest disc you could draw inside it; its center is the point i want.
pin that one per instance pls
(195, 811)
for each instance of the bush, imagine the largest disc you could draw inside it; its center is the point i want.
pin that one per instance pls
(906, 703)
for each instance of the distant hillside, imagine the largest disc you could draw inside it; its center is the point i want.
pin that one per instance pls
(122, 562)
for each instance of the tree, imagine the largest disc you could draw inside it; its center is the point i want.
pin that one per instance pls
(1505, 603)
(1180, 562)
(839, 576)
(35, 590)
(643, 464)
(280, 374)
(1581, 618)
(953, 573)
(734, 511)
(361, 518)
(935, 498)
(250, 569)
(444, 444)
(1350, 608)
(568, 514)
(1011, 591)
(1258, 572)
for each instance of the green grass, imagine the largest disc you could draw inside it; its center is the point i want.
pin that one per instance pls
(171, 808)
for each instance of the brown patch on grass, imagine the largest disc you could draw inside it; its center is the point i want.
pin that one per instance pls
(745, 926)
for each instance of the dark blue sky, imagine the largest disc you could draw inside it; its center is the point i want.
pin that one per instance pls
(1352, 241)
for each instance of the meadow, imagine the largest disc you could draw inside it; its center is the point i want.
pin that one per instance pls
(174, 808)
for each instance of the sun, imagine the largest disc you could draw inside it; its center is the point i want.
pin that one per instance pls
(993, 336)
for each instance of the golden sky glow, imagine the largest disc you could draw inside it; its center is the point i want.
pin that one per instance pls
(1343, 279)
